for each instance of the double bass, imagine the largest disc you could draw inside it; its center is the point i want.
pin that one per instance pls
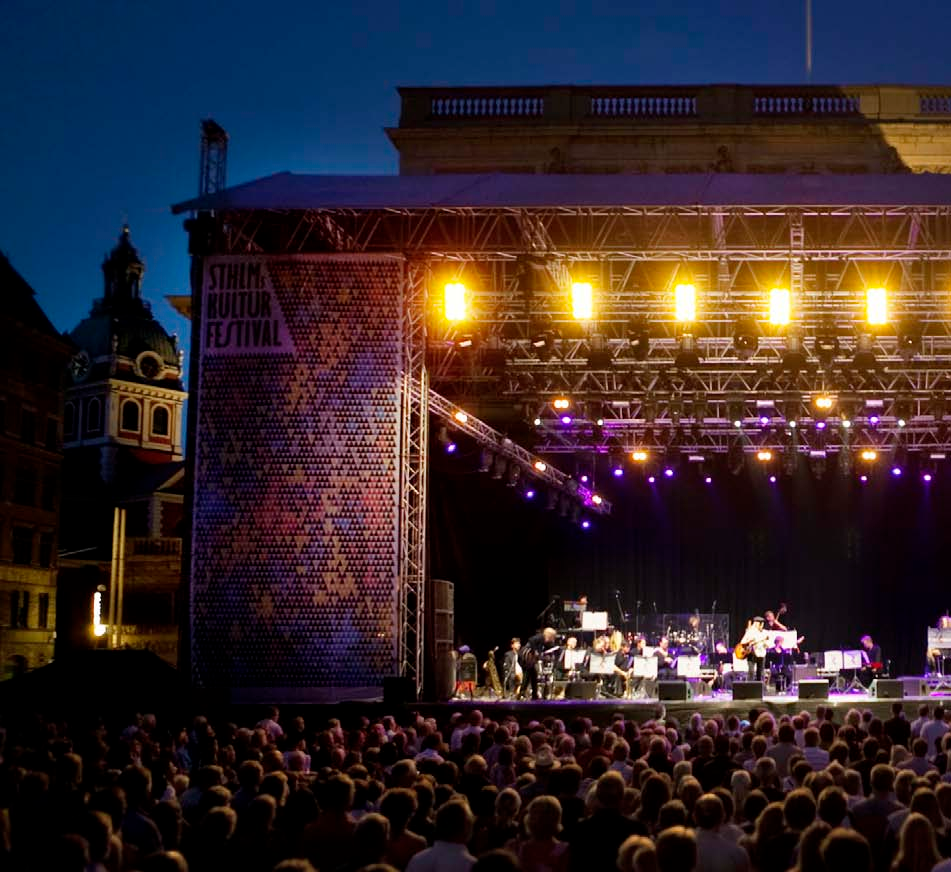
(492, 674)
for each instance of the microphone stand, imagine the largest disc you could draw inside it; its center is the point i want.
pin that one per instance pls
(620, 610)
(539, 617)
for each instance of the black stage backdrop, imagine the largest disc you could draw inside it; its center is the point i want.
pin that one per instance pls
(848, 558)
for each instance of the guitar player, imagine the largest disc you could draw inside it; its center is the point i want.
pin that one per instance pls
(755, 641)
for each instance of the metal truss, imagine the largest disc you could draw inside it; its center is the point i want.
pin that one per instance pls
(529, 464)
(413, 454)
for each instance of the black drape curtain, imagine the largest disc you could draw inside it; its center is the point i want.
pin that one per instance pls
(848, 558)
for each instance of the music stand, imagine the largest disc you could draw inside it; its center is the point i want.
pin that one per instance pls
(644, 669)
(688, 666)
(852, 660)
(594, 621)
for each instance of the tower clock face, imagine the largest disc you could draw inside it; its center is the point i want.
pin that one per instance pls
(149, 366)
(79, 366)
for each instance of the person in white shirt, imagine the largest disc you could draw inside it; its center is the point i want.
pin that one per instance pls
(756, 641)
(453, 830)
(933, 731)
(270, 725)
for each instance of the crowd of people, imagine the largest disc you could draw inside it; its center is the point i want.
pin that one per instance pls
(809, 792)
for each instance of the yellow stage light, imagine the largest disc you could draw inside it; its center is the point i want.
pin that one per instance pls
(639, 456)
(876, 306)
(540, 465)
(685, 303)
(869, 455)
(561, 403)
(582, 301)
(764, 456)
(454, 301)
(780, 306)
(461, 417)
(823, 402)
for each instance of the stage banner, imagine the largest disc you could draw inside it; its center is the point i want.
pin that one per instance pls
(294, 547)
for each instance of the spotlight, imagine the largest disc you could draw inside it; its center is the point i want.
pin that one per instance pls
(910, 332)
(596, 499)
(543, 338)
(584, 479)
(540, 465)
(736, 412)
(454, 300)
(585, 524)
(876, 307)
(561, 403)
(638, 338)
(582, 305)
(901, 422)
(896, 471)
(618, 471)
(599, 354)
(874, 420)
(745, 338)
(668, 471)
(451, 447)
(779, 306)
(639, 456)
(461, 417)
(772, 479)
(651, 479)
(529, 494)
(926, 477)
(566, 419)
(764, 420)
(685, 303)
(708, 480)
(863, 478)
(846, 424)
(688, 356)
(493, 353)
(823, 402)
(869, 455)
(537, 422)
(764, 455)
(442, 436)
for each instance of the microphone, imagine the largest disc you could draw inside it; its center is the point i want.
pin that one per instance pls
(714, 606)
(655, 605)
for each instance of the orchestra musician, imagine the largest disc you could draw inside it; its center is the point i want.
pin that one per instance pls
(871, 659)
(756, 641)
(778, 662)
(512, 670)
(562, 666)
(771, 620)
(582, 602)
(665, 662)
(530, 657)
(623, 667)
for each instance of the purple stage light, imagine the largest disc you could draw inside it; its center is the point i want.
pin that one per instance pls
(651, 479)
(863, 478)
(708, 480)
(451, 448)
(529, 494)
(772, 479)
(896, 471)
(618, 472)
(820, 425)
(764, 420)
(873, 420)
(584, 479)
(566, 419)
(926, 477)
(585, 524)
(669, 472)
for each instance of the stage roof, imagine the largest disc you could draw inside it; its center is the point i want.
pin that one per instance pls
(292, 191)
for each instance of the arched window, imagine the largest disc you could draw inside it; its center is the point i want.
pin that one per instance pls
(160, 421)
(130, 416)
(69, 421)
(93, 415)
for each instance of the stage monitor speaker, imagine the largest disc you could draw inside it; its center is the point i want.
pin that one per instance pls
(815, 689)
(580, 689)
(803, 672)
(398, 691)
(914, 685)
(679, 691)
(888, 688)
(747, 690)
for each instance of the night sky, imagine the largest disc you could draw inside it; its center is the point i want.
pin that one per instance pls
(101, 100)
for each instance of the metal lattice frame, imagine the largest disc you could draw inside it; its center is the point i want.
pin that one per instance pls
(413, 463)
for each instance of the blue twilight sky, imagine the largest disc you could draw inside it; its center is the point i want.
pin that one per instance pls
(100, 100)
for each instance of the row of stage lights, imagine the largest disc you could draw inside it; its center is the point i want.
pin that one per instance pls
(456, 307)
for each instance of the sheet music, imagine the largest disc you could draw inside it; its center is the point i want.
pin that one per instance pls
(852, 659)
(939, 638)
(688, 666)
(645, 667)
(832, 660)
(594, 620)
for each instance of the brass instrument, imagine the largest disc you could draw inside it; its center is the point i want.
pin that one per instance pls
(492, 674)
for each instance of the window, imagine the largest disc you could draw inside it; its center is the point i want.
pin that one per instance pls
(160, 421)
(24, 609)
(28, 426)
(23, 545)
(46, 549)
(69, 421)
(24, 486)
(43, 618)
(130, 416)
(14, 608)
(93, 416)
(52, 434)
(50, 488)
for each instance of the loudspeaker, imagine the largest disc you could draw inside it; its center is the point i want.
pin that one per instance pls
(914, 685)
(888, 688)
(398, 690)
(817, 689)
(803, 672)
(580, 689)
(679, 691)
(747, 690)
